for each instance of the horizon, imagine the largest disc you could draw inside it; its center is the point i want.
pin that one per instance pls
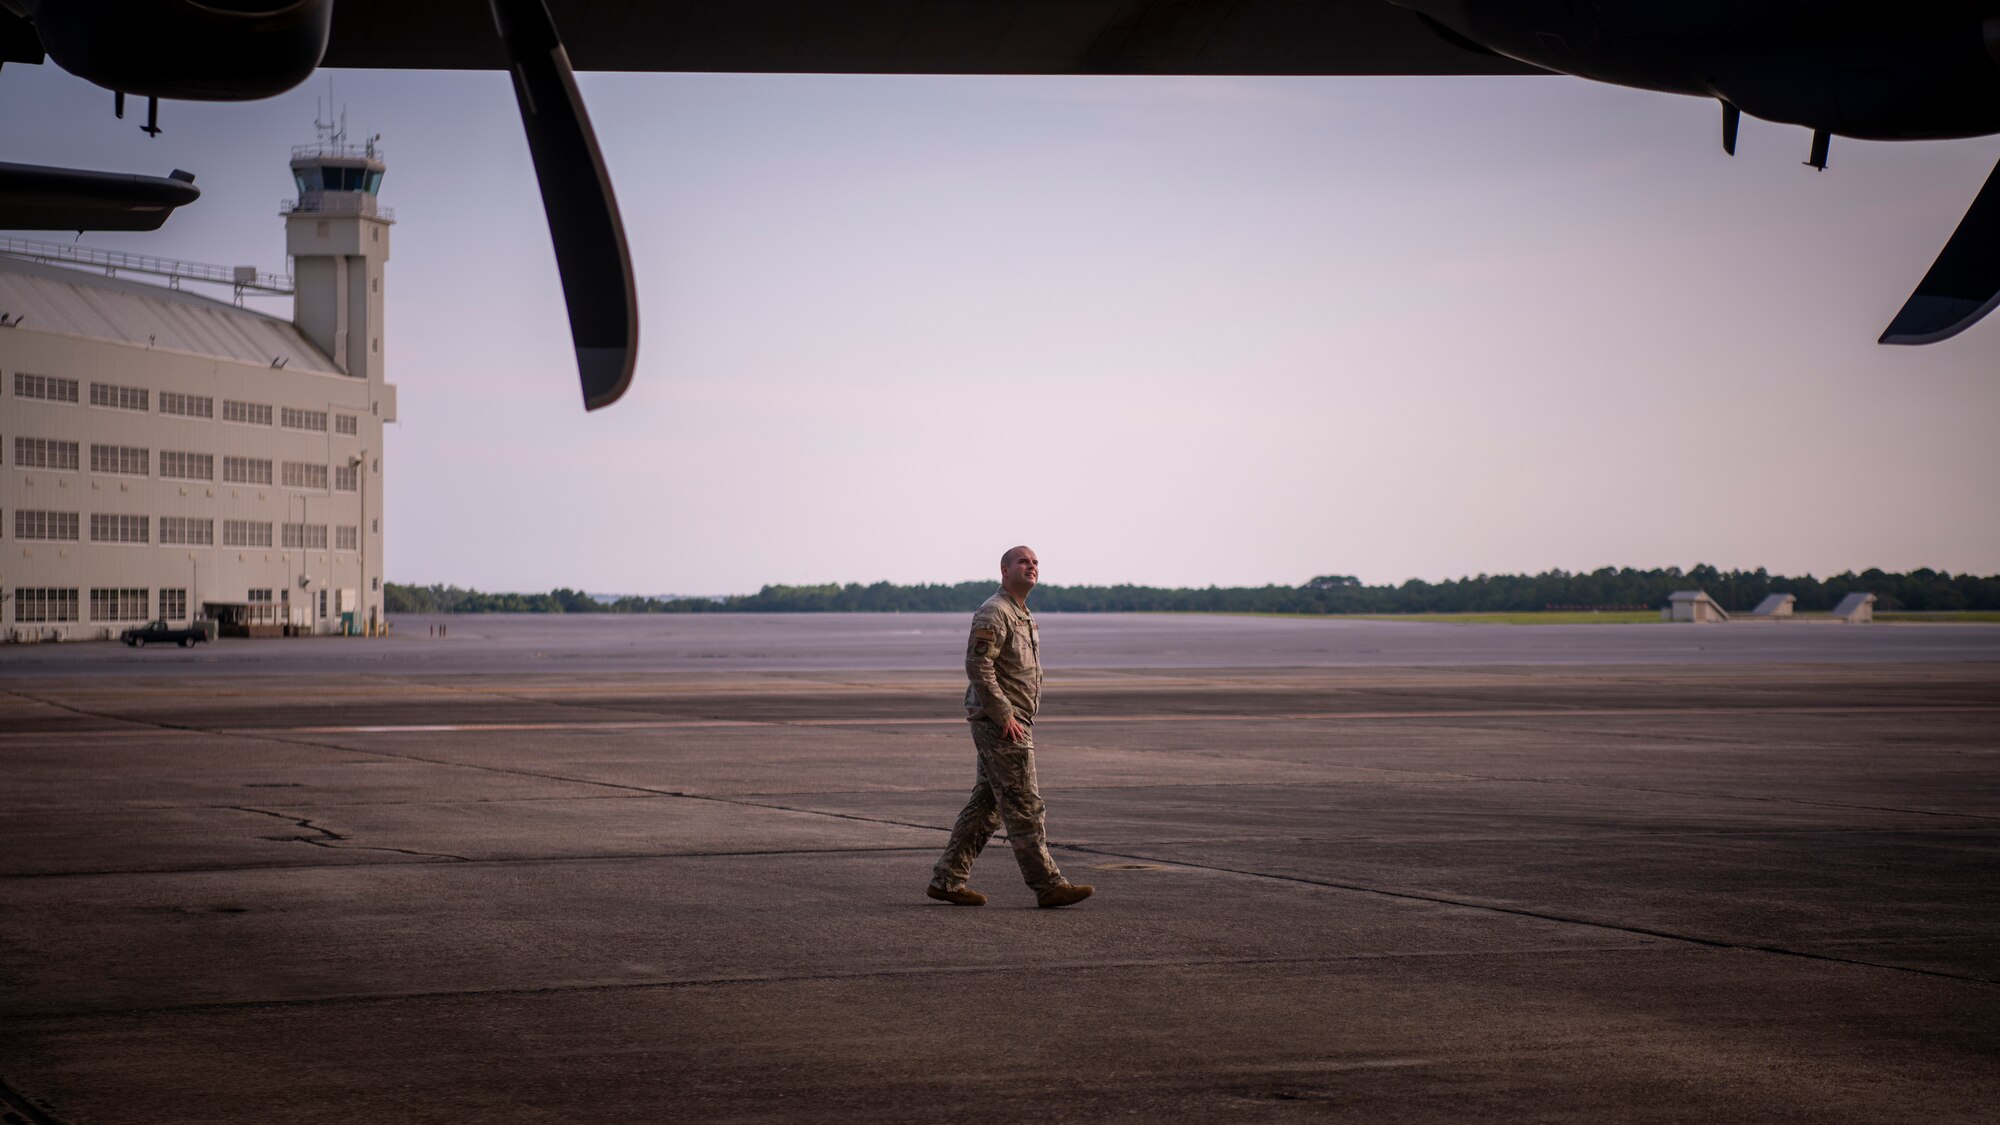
(602, 595)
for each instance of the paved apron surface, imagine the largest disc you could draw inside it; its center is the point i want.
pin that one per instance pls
(1747, 891)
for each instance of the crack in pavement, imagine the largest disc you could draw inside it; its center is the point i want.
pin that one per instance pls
(328, 838)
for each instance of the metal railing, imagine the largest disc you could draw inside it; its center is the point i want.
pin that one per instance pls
(365, 152)
(240, 278)
(338, 203)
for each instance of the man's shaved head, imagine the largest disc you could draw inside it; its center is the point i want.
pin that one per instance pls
(1019, 571)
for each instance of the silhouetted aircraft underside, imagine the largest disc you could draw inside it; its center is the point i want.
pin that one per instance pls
(1921, 69)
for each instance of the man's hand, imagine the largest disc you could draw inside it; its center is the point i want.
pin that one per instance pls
(1014, 731)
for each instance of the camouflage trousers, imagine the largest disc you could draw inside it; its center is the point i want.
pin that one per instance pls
(1003, 792)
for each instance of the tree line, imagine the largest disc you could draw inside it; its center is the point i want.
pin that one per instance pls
(1920, 590)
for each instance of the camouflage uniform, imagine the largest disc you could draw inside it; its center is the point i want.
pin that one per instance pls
(1003, 663)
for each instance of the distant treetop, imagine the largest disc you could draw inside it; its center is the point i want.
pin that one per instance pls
(1607, 588)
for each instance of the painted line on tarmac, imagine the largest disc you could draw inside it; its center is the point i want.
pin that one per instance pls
(1286, 716)
(154, 731)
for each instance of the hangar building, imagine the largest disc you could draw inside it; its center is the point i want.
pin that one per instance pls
(168, 455)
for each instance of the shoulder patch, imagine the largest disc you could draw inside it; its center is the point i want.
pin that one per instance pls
(984, 641)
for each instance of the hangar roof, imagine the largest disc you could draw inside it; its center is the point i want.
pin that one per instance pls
(72, 302)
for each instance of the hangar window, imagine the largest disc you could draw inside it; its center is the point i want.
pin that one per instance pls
(293, 419)
(187, 406)
(118, 605)
(37, 604)
(246, 470)
(59, 526)
(111, 528)
(346, 538)
(125, 460)
(49, 387)
(187, 530)
(305, 536)
(45, 453)
(262, 597)
(305, 474)
(174, 605)
(246, 533)
(247, 413)
(187, 466)
(346, 478)
(346, 424)
(120, 398)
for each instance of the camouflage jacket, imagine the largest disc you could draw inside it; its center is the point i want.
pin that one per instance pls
(1003, 661)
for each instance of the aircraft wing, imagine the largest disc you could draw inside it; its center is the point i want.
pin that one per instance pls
(1214, 37)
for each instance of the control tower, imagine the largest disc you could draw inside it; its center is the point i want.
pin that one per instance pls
(338, 237)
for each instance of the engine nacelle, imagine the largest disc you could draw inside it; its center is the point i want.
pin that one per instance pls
(211, 50)
(1927, 69)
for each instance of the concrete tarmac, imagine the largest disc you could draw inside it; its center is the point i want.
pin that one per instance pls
(1503, 887)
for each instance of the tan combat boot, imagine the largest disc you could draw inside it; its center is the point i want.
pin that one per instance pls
(1064, 894)
(961, 896)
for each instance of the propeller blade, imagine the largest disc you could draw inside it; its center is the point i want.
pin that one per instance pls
(576, 194)
(1963, 284)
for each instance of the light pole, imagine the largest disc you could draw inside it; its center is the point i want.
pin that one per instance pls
(359, 463)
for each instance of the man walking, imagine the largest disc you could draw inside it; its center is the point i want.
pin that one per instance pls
(1004, 664)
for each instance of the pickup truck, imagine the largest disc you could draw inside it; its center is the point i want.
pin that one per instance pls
(159, 633)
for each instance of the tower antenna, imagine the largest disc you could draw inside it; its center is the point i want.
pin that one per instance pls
(331, 131)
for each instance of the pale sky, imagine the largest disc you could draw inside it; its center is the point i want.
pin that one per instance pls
(1174, 332)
